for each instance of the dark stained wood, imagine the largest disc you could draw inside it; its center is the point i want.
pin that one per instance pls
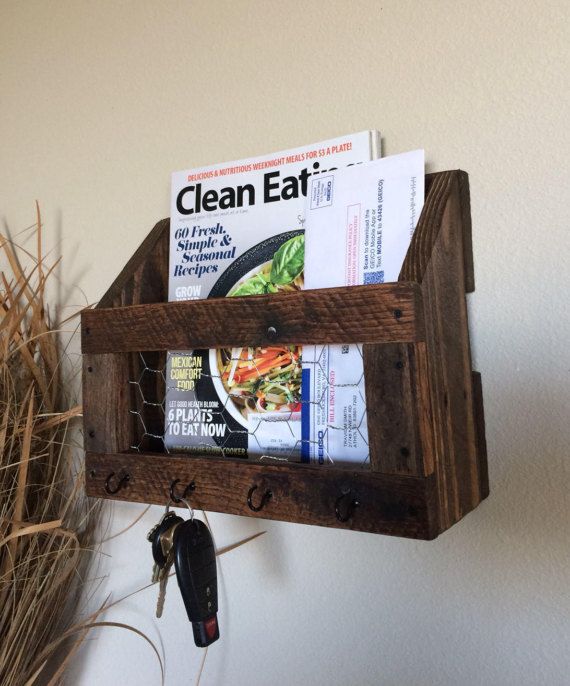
(107, 422)
(449, 361)
(431, 405)
(360, 314)
(394, 405)
(439, 187)
(467, 237)
(394, 505)
(424, 408)
(427, 230)
(144, 278)
(481, 439)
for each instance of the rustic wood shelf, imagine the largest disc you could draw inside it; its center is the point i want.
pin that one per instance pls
(428, 463)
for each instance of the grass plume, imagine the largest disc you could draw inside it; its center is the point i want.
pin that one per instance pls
(46, 524)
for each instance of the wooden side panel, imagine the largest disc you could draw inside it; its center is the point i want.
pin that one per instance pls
(449, 366)
(144, 279)
(428, 228)
(398, 408)
(439, 187)
(394, 505)
(107, 423)
(360, 314)
(481, 439)
(465, 203)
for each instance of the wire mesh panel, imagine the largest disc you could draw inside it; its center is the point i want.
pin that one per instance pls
(147, 384)
(250, 402)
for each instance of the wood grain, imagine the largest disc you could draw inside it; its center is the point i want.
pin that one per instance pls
(394, 505)
(107, 423)
(449, 358)
(360, 314)
(466, 233)
(144, 279)
(393, 402)
(439, 188)
(481, 439)
(431, 418)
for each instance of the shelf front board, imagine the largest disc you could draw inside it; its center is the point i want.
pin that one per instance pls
(390, 312)
(393, 505)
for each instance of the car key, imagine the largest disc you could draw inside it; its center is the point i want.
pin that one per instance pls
(195, 563)
(161, 538)
(167, 547)
(166, 521)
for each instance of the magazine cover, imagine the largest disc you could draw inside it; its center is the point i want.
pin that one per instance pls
(359, 223)
(237, 229)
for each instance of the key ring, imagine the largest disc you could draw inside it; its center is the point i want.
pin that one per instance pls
(190, 508)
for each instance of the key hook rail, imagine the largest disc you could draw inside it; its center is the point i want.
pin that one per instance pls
(426, 432)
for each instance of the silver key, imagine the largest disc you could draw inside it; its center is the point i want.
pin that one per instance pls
(155, 573)
(150, 537)
(162, 581)
(167, 545)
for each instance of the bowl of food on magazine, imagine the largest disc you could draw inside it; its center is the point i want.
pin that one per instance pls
(263, 383)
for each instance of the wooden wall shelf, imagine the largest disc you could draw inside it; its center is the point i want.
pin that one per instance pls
(428, 463)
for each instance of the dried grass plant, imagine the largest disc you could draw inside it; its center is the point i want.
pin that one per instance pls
(47, 525)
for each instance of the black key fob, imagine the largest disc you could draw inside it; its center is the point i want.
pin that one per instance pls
(195, 563)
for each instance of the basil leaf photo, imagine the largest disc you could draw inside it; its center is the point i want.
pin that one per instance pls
(288, 261)
(257, 285)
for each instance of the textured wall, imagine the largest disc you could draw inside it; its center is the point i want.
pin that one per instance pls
(100, 101)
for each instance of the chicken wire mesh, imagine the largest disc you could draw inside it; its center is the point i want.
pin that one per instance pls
(153, 423)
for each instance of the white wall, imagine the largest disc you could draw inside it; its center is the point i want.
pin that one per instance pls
(100, 101)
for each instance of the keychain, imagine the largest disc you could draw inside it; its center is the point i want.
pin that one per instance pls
(188, 544)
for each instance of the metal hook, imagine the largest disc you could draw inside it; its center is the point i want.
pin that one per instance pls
(349, 510)
(120, 484)
(265, 498)
(178, 499)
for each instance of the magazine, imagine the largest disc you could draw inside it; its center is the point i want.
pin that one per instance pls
(359, 223)
(237, 229)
